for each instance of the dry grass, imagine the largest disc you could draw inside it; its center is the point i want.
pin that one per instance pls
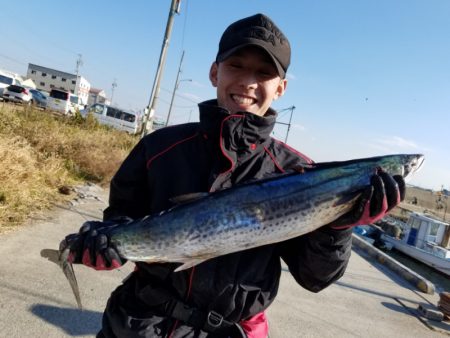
(41, 152)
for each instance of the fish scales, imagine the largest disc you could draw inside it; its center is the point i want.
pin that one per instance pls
(247, 215)
(254, 214)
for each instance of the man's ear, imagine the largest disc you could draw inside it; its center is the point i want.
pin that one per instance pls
(280, 89)
(213, 74)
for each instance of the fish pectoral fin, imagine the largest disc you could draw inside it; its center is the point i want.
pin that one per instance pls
(186, 198)
(348, 198)
(189, 264)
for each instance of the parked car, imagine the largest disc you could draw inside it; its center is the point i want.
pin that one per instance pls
(38, 98)
(16, 93)
(5, 81)
(115, 117)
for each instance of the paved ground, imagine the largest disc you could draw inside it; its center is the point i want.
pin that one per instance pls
(36, 301)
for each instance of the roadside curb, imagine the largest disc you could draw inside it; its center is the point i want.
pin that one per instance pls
(406, 273)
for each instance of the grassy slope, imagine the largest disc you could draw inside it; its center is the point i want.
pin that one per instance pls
(40, 153)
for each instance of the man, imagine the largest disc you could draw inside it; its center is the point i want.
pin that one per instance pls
(225, 296)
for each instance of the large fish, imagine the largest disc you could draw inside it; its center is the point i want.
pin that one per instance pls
(247, 215)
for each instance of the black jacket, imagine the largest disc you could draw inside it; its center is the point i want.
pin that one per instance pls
(221, 150)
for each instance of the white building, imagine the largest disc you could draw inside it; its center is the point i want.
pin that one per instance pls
(97, 95)
(47, 78)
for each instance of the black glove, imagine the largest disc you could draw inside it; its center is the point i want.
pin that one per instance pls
(384, 193)
(91, 246)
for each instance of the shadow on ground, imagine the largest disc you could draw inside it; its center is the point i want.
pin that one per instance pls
(73, 321)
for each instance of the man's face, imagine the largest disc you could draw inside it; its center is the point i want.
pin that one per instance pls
(247, 81)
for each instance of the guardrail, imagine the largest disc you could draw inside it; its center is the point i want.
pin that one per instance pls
(406, 273)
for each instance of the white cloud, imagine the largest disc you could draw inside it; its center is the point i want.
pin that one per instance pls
(397, 141)
(395, 144)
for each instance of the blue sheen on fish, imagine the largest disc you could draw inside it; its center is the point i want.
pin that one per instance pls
(247, 215)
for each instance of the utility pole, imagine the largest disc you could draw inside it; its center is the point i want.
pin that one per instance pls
(150, 110)
(77, 71)
(113, 86)
(177, 84)
(288, 124)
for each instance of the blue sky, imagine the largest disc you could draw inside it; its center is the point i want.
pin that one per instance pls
(367, 78)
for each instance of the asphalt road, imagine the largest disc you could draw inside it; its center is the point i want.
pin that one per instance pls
(36, 300)
(35, 297)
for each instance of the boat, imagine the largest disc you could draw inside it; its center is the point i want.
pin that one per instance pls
(422, 237)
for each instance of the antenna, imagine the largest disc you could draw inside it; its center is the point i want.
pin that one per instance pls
(77, 71)
(289, 123)
(79, 64)
(113, 86)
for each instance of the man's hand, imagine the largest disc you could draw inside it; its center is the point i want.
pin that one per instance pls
(384, 193)
(91, 246)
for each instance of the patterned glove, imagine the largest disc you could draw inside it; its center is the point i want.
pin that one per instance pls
(384, 193)
(91, 247)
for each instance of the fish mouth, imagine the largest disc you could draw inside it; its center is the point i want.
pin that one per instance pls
(413, 166)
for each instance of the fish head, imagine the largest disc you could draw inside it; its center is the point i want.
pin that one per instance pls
(412, 164)
(400, 164)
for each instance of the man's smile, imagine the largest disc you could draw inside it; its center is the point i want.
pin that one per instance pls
(243, 100)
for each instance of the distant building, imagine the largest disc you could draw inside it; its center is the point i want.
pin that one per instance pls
(97, 95)
(47, 79)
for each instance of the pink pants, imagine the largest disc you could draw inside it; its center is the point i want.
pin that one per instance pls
(256, 326)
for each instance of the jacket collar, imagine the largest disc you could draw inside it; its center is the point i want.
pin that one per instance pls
(239, 131)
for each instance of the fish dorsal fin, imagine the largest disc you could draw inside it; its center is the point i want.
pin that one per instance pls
(186, 198)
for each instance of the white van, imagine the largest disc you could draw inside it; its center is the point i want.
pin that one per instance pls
(75, 104)
(64, 102)
(59, 100)
(115, 117)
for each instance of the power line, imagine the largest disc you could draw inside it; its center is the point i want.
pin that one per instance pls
(184, 24)
(180, 96)
(176, 105)
(13, 60)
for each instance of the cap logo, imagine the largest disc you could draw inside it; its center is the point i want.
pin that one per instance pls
(273, 29)
(260, 34)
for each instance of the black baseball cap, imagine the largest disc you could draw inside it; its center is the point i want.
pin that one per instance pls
(257, 30)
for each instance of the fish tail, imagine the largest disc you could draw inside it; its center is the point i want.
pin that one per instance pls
(67, 268)
(60, 257)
